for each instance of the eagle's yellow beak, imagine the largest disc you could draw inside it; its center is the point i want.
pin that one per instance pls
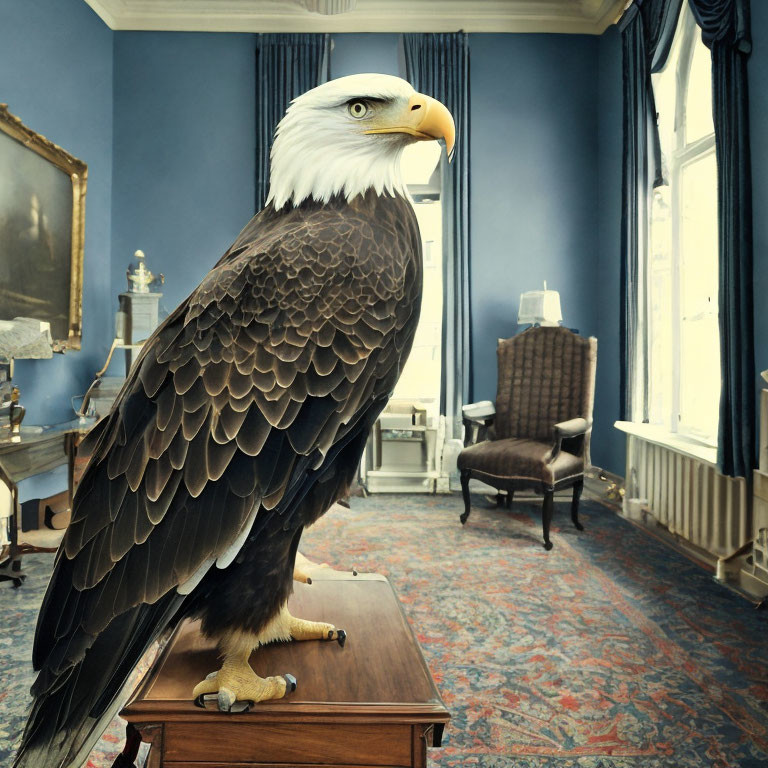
(425, 118)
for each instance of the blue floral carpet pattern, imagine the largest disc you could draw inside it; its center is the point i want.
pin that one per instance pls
(610, 651)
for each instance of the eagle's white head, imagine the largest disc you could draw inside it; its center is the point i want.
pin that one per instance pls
(347, 136)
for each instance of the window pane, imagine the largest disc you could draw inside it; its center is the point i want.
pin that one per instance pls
(661, 266)
(420, 377)
(698, 97)
(419, 161)
(681, 268)
(700, 339)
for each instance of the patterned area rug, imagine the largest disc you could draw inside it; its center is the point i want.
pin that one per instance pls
(610, 651)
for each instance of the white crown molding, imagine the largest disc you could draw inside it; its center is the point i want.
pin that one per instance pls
(104, 10)
(562, 16)
(607, 12)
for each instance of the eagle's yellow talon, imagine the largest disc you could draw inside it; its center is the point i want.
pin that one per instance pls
(303, 567)
(301, 576)
(236, 681)
(301, 629)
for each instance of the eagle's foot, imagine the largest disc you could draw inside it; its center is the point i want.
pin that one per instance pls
(301, 629)
(236, 683)
(303, 568)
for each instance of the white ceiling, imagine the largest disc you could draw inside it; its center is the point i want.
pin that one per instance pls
(568, 16)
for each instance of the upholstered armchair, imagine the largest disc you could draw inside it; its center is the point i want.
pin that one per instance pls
(539, 436)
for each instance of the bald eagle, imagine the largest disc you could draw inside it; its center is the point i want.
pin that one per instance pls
(242, 421)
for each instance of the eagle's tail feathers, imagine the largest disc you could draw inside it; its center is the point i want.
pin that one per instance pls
(72, 707)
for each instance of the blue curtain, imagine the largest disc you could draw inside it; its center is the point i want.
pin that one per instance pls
(725, 31)
(438, 65)
(647, 30)
(287, 65)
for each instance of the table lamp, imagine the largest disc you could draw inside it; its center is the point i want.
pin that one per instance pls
(20, 338)
(540, 308)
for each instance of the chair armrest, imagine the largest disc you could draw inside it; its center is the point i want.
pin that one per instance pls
(565, 430)
(477, 420)
(481, 411)
(572, 428)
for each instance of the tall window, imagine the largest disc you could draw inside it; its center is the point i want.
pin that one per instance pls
(420, 378)
(683, 352)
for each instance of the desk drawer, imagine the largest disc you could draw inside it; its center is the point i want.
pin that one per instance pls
(260, 765)
(300, 744)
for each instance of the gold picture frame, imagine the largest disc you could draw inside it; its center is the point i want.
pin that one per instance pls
(42, 231)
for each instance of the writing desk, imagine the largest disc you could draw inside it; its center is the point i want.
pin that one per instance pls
(372, 703)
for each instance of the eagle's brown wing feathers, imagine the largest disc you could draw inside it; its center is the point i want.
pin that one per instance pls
(245, 387)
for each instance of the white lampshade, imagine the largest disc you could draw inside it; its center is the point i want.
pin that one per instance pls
(25, 337)
(540, 308)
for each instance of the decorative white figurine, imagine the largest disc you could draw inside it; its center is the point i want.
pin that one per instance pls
(140, 279)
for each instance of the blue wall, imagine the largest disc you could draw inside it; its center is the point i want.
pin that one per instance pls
(758, 96)
(533, 184)
(534, 145)
(608, 444)
(183, 153)
(182, 161)
(56, 75)
(546, 160)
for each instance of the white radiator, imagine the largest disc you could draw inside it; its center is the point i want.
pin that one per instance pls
(689, 496)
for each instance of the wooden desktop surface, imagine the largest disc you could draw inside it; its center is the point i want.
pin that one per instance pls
(372, 702)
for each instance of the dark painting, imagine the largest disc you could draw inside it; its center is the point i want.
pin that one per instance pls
(35, 237)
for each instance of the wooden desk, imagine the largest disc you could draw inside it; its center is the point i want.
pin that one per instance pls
(34, 451)
(371, 703)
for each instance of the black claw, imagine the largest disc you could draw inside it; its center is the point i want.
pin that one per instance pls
(309, 580)
(354, 572)
(330, 634)
(291, 681)
(341, 637)
(200, 701)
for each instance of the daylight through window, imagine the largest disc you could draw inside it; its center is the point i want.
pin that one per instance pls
(682, 263)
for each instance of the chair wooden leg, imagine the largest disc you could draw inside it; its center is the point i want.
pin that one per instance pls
(465, 494)
(546, 516)
(577, 489)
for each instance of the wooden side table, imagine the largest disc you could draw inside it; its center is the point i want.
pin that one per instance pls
(372, 703)
(33, 451)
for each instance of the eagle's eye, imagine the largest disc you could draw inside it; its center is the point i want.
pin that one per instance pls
(358, 109)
